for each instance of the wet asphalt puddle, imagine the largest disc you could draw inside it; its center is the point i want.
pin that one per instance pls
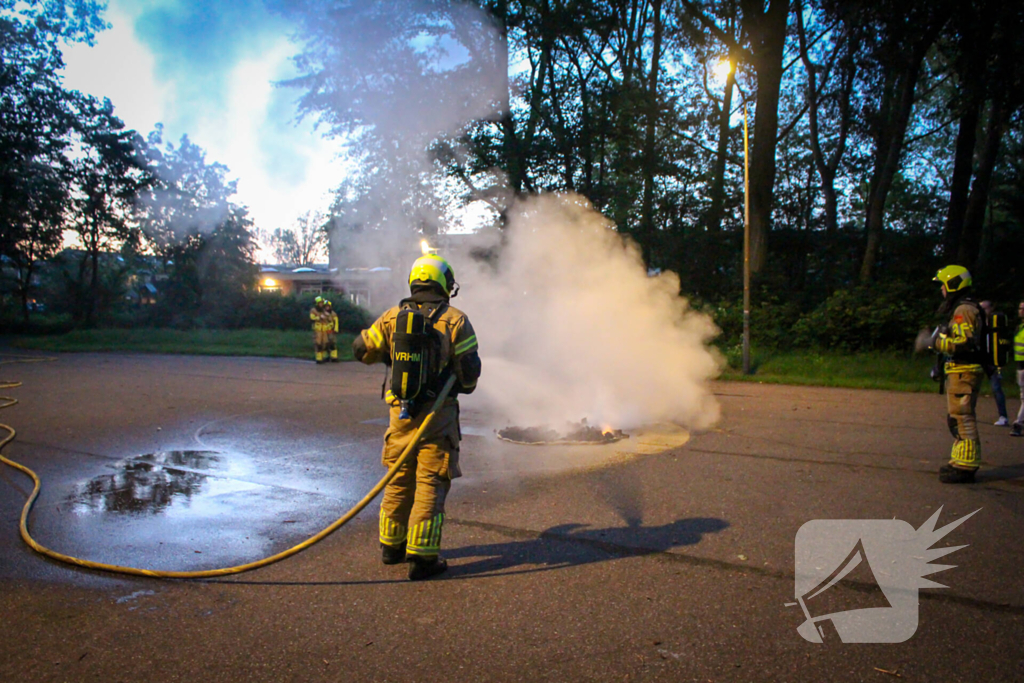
(152, 484)
(203, 509)
(190, 509)
(161, 483)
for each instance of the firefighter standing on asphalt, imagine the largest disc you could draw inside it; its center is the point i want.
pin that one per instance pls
(1018, 355)
(332, 330)
(962, 342)
(318, 315)
(412, 510)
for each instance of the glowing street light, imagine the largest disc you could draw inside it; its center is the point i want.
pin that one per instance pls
(724, 68)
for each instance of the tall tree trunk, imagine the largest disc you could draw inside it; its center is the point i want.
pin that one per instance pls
(512, 148)
(767, 31)
(585, 134)
(970, 241)
(963, 169)
(649, 156)
(894, 115)
(25, 282)
(94, 257)
(976, 22)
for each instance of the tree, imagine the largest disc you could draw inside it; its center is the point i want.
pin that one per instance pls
(903, 36)
(204, 239)
(304, 243)
(108, 173)
(1003, 77)
(209, 273)
(68, 20)
(187, 195)
(765, 31)
(35, 122)
(972, 42)
(40, 233)
(392, 77)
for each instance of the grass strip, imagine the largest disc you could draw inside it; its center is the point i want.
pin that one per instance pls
(891, 371)
(249, 342)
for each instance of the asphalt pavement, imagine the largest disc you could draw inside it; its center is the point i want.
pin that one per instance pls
(667, 556)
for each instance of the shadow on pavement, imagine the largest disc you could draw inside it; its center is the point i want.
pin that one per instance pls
(565, 545)
(568, 545)
(1004, 473)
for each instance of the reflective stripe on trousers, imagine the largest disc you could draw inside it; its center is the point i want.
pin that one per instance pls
(961, 399)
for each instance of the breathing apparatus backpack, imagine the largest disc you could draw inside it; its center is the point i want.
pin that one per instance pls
(992, 341)
(415, 356)
(998, 340)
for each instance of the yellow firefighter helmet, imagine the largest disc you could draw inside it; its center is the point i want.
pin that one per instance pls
(433, 268)
(954, 278)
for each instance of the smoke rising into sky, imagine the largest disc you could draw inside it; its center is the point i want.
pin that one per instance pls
(571, 326)
(391, 78)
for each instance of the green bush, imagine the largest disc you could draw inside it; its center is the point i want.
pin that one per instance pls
(248, 310)
(879, 317)
(771, 321)
(271, 310)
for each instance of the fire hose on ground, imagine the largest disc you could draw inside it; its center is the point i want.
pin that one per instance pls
(204, 573)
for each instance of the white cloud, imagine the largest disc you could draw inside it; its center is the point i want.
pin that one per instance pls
(120, 67)
(282, 169)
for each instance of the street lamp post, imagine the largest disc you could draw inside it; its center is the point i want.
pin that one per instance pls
(727, 67)
(746, 247)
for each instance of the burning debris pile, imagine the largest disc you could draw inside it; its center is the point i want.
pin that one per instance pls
(575, 433)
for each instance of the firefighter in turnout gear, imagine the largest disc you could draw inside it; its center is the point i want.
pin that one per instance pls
(331, 317)
(318, 316)
(442, 342)
(962, 343)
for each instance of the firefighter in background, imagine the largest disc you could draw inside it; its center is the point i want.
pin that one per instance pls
(331, 317)
(962, 342)
(412, 510)
(1018, 355)
(318, 316)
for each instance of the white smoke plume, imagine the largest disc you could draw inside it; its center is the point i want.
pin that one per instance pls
(572, 326)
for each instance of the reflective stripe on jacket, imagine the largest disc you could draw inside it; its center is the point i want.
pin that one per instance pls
(962, 344)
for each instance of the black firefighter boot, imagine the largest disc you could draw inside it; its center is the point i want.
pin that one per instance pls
(425, 567)
(956, 475)
(392, 554)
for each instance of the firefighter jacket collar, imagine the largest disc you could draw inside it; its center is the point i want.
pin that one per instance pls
(426, 295)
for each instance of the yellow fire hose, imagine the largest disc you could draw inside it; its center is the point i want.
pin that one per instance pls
(205, 573)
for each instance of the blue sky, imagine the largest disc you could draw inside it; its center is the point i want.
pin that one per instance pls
(206, 69)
